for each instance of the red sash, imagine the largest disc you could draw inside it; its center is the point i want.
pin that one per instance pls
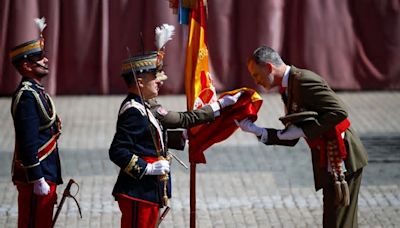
(320, 143)
(136, 212)
(149, 159)
(48, 147)
(18, 168)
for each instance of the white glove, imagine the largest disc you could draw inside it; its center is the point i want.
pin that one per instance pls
(229, 100)
(224, 102)
(290, 133)
(160, 167)
(40, 187)
(248, 126)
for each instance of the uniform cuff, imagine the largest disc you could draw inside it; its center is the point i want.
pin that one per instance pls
(136, 167)
(215, 106)
(264, 136)
(34, 173)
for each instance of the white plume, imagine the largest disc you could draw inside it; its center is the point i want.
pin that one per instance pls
(164, 33)
(41, 23)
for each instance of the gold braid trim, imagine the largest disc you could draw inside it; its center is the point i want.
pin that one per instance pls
(31, 166)
(132, 165)
(23, 49)
(49, 119)
(138, 64)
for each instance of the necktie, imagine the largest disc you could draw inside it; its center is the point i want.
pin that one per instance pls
(282, 91)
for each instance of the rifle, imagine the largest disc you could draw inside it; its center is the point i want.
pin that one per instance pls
(66, 194)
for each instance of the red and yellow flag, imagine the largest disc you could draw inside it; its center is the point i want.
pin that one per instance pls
(223, 126)
(198, 81)
(200, 91)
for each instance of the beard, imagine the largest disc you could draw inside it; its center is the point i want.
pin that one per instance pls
(42, 70)
(42, 73)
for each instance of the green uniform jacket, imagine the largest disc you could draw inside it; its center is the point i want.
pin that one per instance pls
(307, 91)
(171, 119)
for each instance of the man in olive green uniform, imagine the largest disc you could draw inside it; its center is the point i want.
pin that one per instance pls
(314, 112)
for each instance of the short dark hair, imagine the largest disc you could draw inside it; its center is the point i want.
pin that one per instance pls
(129, 78)
(264, 54)
(17, 64)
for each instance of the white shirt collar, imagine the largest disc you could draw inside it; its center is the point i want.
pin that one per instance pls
(285, 79)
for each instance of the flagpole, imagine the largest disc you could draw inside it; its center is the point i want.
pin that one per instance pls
(192, 195)
(193, 68)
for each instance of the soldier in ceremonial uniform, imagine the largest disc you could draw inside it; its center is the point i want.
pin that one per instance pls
(36, 167)
(138, 148)
(314, 112)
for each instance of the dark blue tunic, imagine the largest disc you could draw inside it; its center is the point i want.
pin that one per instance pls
(32, 131)
(133, 143)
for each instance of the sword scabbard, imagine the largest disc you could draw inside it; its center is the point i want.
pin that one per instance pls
(66, 194)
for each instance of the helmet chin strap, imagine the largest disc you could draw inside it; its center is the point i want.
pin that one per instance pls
(43, 66)
(39, 64)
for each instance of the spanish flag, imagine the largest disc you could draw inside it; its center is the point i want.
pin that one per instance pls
(223, 126)
(200, 91)
(198, 81)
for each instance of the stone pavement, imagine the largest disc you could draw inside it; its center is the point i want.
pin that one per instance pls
(243, 184)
